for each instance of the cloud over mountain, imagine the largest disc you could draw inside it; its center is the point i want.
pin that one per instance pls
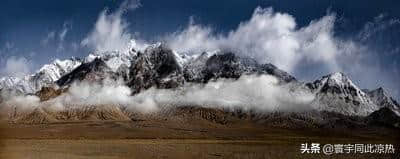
(262, 93)
(111, 30)
(269, 37)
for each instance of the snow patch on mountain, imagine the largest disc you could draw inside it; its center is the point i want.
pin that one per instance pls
(337, 93)
(383, 99)
(51, 72)
(43, 77)
(10, 82)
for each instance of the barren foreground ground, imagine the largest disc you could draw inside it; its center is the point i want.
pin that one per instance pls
(162, 139)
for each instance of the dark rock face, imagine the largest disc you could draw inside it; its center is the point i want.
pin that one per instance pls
(384, 117)
(337, 90)
(223, 66)
(273, 70)
(123, 72)
(157, 67)
(229, 65)
(97, 70)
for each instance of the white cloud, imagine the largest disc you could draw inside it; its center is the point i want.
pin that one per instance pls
(16, 66)
(88, 94)
(28, 102)
(111, 32)
(306, 52)
(262, 93)
(194, 39)
(269, 37)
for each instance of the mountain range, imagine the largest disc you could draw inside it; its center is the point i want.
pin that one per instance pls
(163, 68)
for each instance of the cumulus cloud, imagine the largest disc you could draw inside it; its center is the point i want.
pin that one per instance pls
(193, 39)
(269, 37)
(16, 66)
(111, 30)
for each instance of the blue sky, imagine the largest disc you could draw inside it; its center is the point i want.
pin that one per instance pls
(42, 30)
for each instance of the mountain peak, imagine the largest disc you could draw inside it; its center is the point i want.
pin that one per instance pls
(338, 75)
(338, 78)
(94, 70)
(135, 46)
(382, 98)
(337, 88)
(381, 91)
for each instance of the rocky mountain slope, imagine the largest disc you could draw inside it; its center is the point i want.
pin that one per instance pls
(336, 92)
(160, 67)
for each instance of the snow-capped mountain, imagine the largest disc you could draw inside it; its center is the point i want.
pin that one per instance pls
(96, 70)
(15, 84)
(43, 77)
(337, 93)
(113, 59)
(382, 98)
(50, 73)
(158, 66)
(228, 65)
